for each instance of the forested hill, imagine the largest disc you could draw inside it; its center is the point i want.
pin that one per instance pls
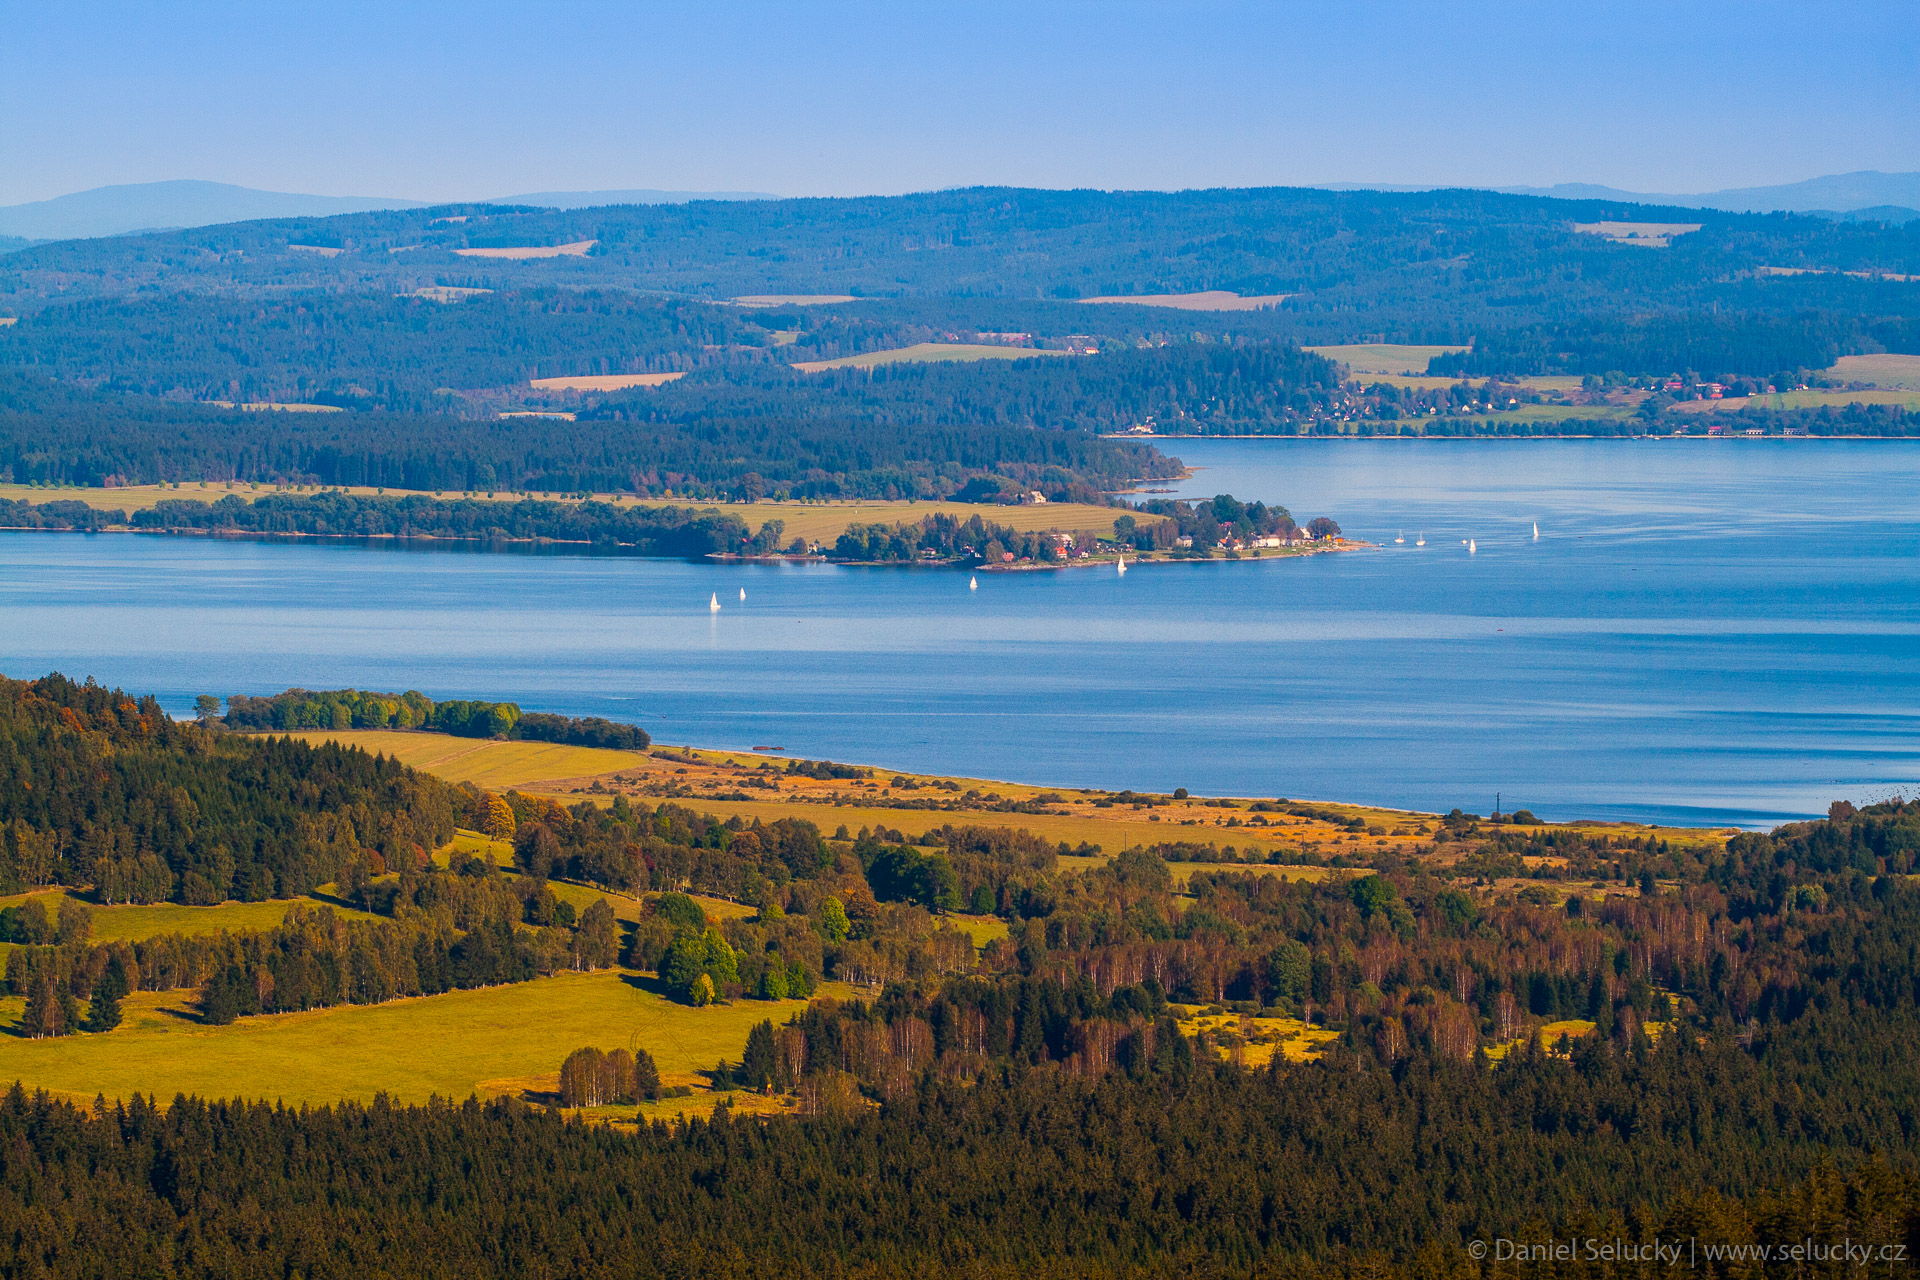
(1406, 252)
(100, 788)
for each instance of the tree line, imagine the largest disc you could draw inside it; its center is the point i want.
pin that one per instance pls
(297, 709)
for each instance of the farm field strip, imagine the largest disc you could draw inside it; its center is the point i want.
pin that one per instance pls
(605, 381)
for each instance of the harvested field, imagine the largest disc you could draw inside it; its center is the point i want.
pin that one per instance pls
(604, 381)
(578, 249)
(1206, 300)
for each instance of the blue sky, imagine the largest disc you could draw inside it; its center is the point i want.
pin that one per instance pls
(806, 97)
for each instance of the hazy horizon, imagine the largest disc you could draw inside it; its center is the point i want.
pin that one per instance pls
(438, 102)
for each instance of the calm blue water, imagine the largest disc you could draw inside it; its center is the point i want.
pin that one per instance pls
(1706, 631)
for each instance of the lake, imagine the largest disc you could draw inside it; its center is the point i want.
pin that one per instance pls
(1705, 631)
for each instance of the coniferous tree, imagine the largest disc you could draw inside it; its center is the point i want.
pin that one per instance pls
(103, 1010)
(48, 1008)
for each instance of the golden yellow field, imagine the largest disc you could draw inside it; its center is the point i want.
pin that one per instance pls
(927, 353)
(1206, 300)
(830, 804)
(577, 249)
(453, 1045)
(319, 250)
(706, 781)
(483, 762)
(1385, 357)
(1652, 235)
(605, 381)
(1897, 372)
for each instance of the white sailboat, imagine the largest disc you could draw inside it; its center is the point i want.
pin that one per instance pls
(1420, 541)
(1122, 566)
(973, 583)
(713, 603)
(1400, 537)
(743, 593)
(1536, 531)
(1472, 546)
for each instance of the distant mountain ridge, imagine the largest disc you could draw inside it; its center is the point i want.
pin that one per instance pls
(173, 205)
(1852, 197)
(1835, 193)
(184, 203)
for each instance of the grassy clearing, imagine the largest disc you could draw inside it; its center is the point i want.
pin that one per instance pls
(928, 353)
(1257, 1039)
(982, 929)
(133, 923)
(453, 1045)
(1206, 300)
(1384, 357)
(577, 249)
(605, 381)
(1896, 372)
(1651, 235)
(1809, 399)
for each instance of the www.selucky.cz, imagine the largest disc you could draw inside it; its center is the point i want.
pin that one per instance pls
(1685, 1252)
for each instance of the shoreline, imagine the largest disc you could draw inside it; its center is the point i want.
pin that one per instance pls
(717, 557)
